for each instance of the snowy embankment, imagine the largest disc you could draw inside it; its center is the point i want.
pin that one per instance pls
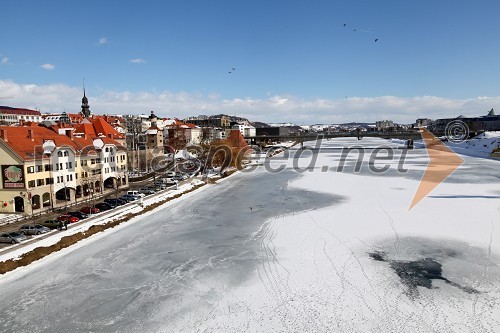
(16, 251)
(479, 146)
(354, 266)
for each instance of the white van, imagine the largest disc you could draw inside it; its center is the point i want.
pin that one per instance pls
(136, 194)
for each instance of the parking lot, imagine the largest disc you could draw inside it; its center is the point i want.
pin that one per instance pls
(149, 187)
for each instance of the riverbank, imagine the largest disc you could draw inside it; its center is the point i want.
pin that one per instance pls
(25, 254)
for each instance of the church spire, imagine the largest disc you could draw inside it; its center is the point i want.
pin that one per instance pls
(85, 103)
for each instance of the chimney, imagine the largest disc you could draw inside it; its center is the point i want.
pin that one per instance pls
(31, 134)
(3, 135)
(21, 122)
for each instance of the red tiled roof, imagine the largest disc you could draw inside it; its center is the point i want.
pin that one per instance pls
(101, 126)
(27, 142)
(10, 110)
(98, 128)
(19, 140)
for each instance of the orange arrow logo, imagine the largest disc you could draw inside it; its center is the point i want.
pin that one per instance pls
(442, 163)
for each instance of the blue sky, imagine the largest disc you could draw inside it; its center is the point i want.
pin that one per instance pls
(295, 60)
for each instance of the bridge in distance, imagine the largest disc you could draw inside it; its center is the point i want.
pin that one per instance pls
(403, 135)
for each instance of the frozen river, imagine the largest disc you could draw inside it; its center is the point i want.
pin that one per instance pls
(309, 251)
(172, 264)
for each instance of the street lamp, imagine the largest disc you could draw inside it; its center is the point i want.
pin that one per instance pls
(48, 148)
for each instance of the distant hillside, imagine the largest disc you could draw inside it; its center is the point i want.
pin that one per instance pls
(259, 124)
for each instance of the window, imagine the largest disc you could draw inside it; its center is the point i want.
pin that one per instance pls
(31, 169)
(92, 161)
(39, 168)
(59, 153)
(70, 165)
(47, 167)
(31, 183)
(40, 182)
(49, 181)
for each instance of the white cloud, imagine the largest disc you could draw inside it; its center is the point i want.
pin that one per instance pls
(138, 61)
(48, 67)
(4, 61)
(272, 108)
(102, 41)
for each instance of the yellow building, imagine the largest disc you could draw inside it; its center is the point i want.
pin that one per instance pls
(44, 168)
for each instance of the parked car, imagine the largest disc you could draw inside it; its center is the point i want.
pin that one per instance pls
(170, 174)
(51, 224)
(160, 185)
(68, 218)
(36, 229)
(128, 198)
(90, 210)
(12, 237)
(111, 204)
(135, 193)
(146, 191)
(171, 181)
(116, 202)
(102, 206)
(178, 177)
(80, 215)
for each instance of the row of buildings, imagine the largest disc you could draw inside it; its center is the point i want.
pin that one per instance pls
(50, 161)
(45, 167)
(488, 122)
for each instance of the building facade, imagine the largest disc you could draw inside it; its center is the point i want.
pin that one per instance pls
(13, 116)
(42, 169)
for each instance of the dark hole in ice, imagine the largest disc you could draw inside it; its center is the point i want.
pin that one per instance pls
(418, 273)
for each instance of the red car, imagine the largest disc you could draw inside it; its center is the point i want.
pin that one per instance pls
(68, 218)
(89, 210)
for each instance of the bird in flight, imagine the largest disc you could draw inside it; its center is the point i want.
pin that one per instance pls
(376, 39)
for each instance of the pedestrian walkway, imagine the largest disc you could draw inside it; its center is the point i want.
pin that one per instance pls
(9, 218)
